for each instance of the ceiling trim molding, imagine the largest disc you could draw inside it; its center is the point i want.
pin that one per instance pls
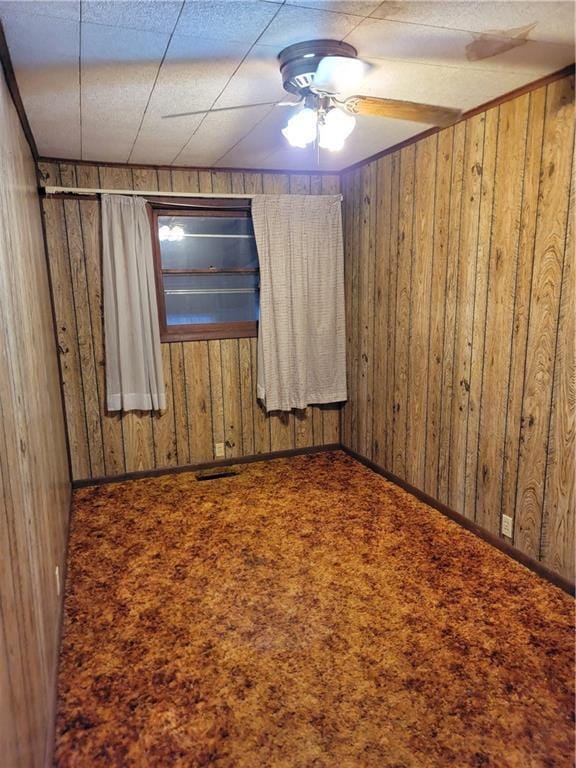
(104, 164)
(6, 62)
(534, 85)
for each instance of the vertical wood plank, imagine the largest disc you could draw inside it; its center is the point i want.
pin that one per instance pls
(403, 287)
(451, 300)
(438, 307)
(83, 326)
(246, 396)
(559, 509)
(423, 248)
(501, 284)
(216, 395)
(163, 424)
(262, 442)
(393, 287)
(543, 324)
(467, 272)
(113, 446)
(381, 299)
(180, 403)
(221, 182)
(528, 218)
(185, 181)
(199, 407)
(67, 337)
(480, 309)
(352, 405)
(230, 356)
(163, 428)
(365, 368)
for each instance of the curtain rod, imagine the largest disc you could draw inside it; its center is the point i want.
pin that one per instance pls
(50, 190)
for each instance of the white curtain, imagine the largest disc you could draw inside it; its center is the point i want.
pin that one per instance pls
(301, 335)
(134, 377)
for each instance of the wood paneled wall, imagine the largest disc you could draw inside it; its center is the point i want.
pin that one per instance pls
(460, 318)
(211, 384)
(34, 476)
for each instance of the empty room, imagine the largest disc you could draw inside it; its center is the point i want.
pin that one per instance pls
(287, 384)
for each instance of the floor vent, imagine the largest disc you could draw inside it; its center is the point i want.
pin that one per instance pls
(211, 475)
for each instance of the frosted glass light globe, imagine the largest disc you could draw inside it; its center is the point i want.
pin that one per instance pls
(301, 128)
(336, 129)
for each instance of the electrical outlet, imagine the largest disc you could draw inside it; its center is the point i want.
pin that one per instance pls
(218, 449)
(507, 526)
(57, 575)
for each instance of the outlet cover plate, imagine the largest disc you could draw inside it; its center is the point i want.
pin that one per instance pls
(218, 449)
(507, 526)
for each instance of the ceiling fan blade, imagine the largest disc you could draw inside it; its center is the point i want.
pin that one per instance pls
(402, 110)
(229, 109)
(338, 74)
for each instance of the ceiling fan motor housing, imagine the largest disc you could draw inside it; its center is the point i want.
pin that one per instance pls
(299, 62)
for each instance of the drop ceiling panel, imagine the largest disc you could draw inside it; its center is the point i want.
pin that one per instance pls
(549, 21)
(257, 79)
(174, 135)
(194, 73)
(133, 14)
(239, 20)
(142, 60)
(353, 7)
(295, 24)
(119, 67)
(452, 47)
(45, 53)
(58, 9)
(264, 139)
(437, 84)
(218, 132)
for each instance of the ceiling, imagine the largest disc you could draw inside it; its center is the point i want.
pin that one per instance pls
(96, 76)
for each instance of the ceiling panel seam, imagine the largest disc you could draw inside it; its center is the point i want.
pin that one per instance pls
(246, 135)
(280, 6)
(155, 81)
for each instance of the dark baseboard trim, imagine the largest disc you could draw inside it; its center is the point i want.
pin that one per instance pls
(469, 525)
(490, 538)
(205, 465)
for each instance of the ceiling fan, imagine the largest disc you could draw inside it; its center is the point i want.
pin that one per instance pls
(320, 73)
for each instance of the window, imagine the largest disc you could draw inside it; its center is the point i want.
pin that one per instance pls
(206, 271)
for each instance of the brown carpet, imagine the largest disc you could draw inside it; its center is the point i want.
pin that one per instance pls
(305, 613)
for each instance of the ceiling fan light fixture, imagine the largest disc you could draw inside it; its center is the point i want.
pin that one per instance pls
(301, 128)
(335, 129)
(339, 74)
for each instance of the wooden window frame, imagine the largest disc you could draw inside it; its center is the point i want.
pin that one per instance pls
(206, 331)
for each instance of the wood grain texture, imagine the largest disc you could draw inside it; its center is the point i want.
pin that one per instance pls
(439, 216)
(34, 471)
(557, 544)
(473, 395)
(421, 283)
(548, 265)
(211, 386)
